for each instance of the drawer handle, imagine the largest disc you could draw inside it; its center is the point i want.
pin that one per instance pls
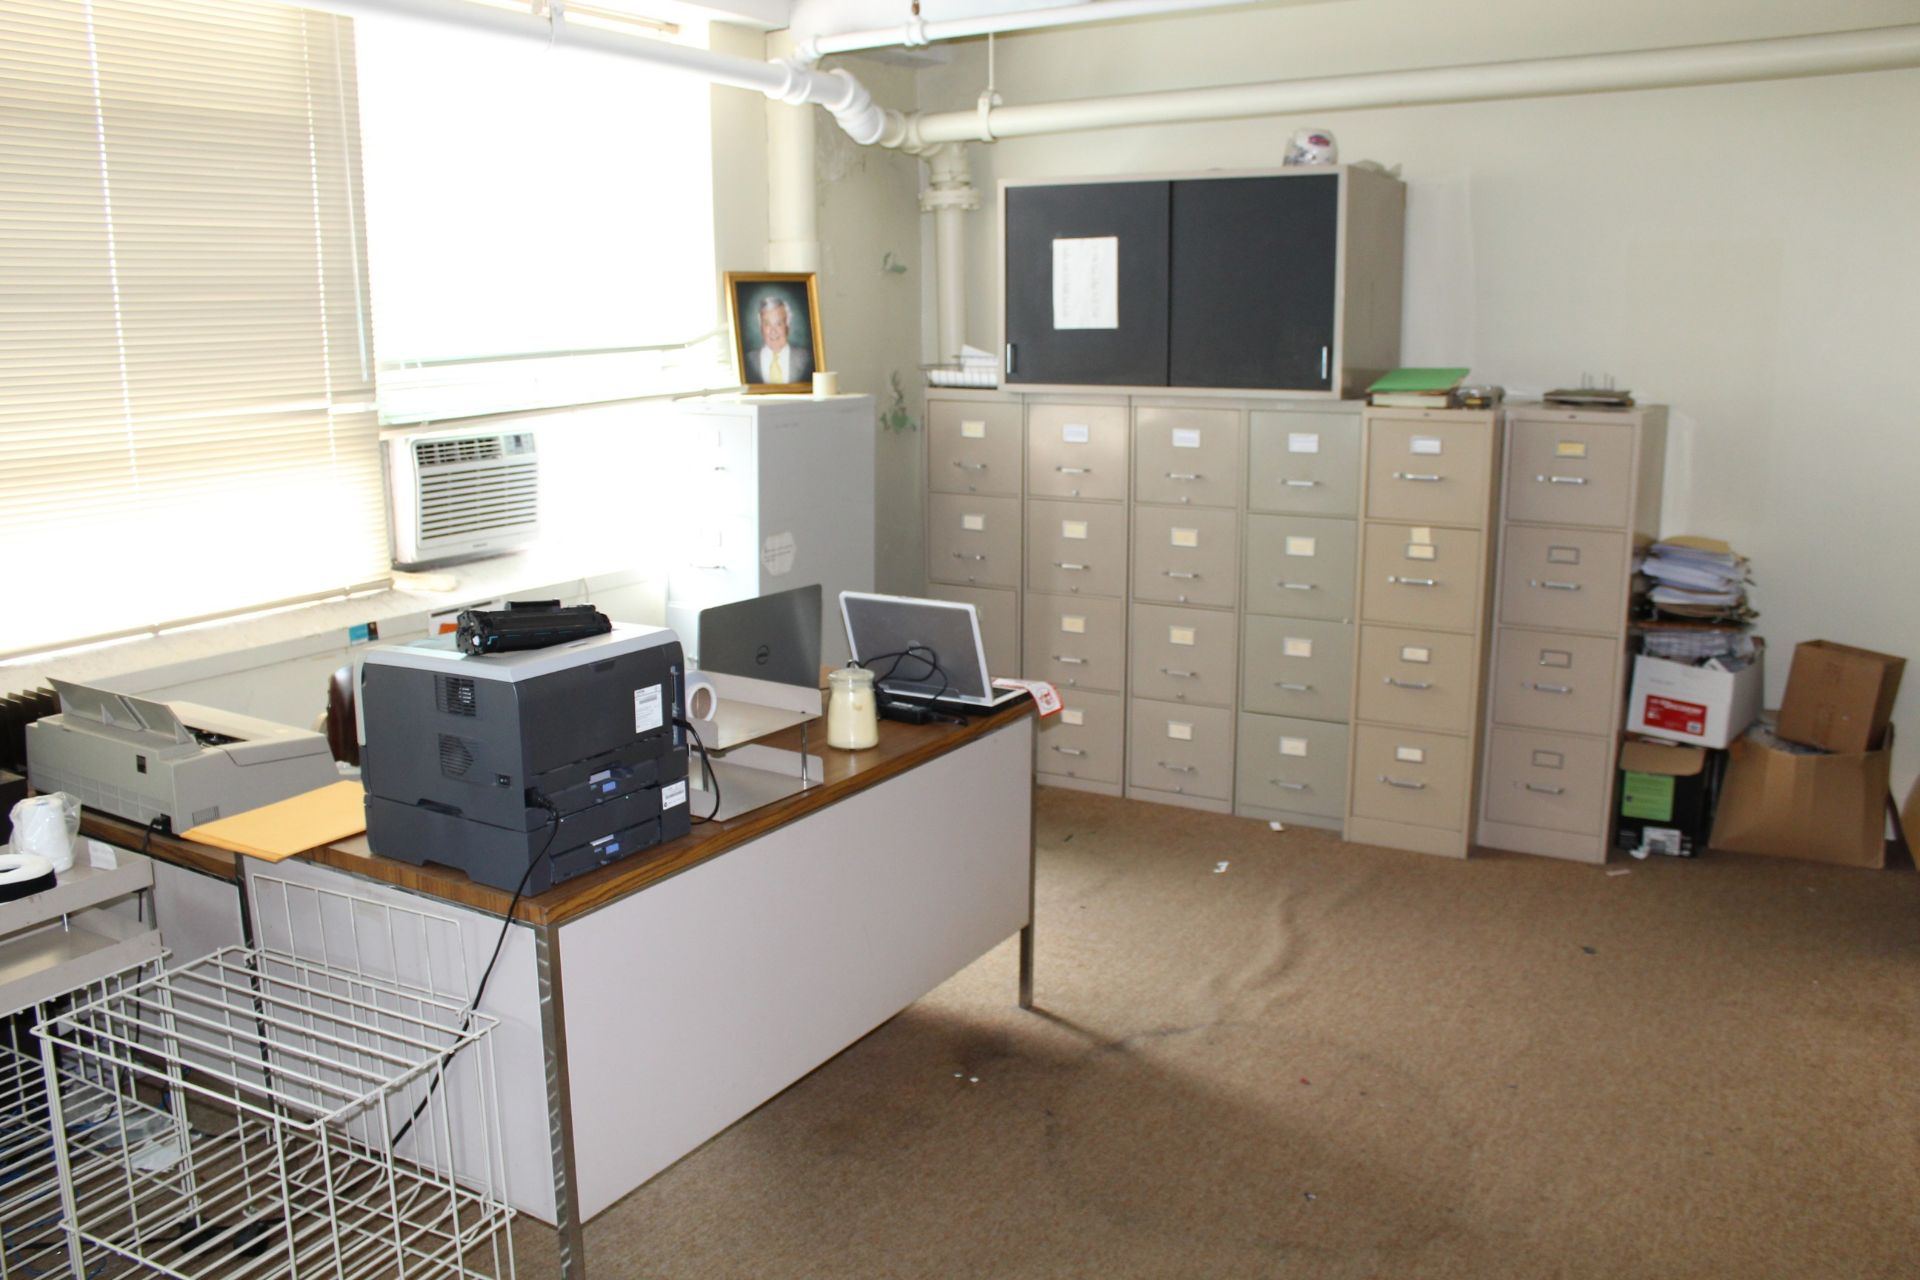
(970, 466)
(708, 566)
(1070, 751)
(1299, 484)
(1177, 768)
(1292, 686)
(1404, 786)
(1069, 566)
(1288, 786)
(1284, 585)
(1419, 476)
(1181, 573)
(1537, 687)
(1074, 471)
(1561, 479)
(1178, 674)
(1183, 475)
(1546, 791)
(1409, 684)
(1412, 582)
(967, 555)
(1072, 662)
(1550, 585)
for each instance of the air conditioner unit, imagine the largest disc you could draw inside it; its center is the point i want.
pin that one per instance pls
(460, 494)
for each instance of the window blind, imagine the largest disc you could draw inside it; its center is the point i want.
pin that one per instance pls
(186, 371)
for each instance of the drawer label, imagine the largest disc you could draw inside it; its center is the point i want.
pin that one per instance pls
(1675, 716)
(1075, 433)
(1570, 449)
(1300, 546)
(1549, 760)
(1422, 551)
(1427, 445)
(973, 524)
(1180, 635)
(1303, 442)
(1410, 755)
(1293, 746)
(1563, 555)
(1073, 624)
(1184, 537)
(1186, 438)
(1555, 658)
(1075, 529)
(1415, 653)
(973, 429)
(1179, 731)
(1071, 715)
(1296, 647)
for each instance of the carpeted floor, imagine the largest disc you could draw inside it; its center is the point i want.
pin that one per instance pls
(1324, 1060)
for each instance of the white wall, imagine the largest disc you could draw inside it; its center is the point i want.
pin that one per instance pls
(1745, 254)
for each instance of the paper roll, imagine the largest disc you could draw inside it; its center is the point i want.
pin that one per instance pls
(46, 825)
(826, 384)
(702, 698)
(24, 874)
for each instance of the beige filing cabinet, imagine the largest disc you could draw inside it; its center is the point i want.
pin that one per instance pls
(976, 455)
(1429, 491)
(1075, 601)
(1583, 490)
(1297, 631)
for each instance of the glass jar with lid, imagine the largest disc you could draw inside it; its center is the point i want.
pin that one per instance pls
(853, 716)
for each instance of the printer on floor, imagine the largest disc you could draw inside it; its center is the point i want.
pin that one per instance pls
(532, 766)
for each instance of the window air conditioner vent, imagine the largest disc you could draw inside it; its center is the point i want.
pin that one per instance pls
(460, 495)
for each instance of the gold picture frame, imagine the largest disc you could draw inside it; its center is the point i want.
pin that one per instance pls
(755, 300)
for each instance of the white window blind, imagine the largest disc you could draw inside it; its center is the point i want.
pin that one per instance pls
(186, 379)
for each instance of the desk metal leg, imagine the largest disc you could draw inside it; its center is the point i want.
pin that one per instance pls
(553, 1030)
(1026, 932)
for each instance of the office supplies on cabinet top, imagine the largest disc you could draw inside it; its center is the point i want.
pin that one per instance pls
(560, 759)
(174, 762)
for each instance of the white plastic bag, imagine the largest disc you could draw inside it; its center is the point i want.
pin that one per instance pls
(46, 825)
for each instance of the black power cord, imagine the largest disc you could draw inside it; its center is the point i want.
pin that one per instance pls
(706, 767)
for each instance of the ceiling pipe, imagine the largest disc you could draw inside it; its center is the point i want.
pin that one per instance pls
(917, 31)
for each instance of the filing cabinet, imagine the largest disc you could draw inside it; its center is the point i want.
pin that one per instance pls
(1076, 642)
(1287, 765)
(976, 453)
(1185, 555)
(1424, 587)
(1180, 754)
(973, 541)
(1183, 655)
(1300, 566)
(1583, 489)
(1187, 456)
(1077, 451)
(1080, 748)
(974, 447)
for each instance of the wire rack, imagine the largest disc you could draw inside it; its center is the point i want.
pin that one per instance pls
(328, 1121)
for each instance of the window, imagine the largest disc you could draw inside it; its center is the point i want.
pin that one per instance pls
(186, 376)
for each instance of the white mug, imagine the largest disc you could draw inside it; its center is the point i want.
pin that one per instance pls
(826, 384)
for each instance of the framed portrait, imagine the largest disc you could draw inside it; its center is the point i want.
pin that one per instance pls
(776, 329)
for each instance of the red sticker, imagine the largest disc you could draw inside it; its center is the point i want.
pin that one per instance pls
(1676, 717)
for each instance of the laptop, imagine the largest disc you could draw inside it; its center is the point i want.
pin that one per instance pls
(926, 651)
(772, 637)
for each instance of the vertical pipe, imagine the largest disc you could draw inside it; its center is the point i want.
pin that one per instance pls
(949, 196)
(793, 225)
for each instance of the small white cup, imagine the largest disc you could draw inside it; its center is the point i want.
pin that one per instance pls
(826, 384)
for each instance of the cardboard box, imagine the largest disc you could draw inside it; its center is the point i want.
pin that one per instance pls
(1818, 807)
(1665, 801)
(1700, 706)
(1839, 697)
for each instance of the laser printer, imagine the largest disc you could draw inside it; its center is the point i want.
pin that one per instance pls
(178, 762)
(532, 766)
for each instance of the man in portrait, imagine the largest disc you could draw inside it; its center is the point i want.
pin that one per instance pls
(779, 360)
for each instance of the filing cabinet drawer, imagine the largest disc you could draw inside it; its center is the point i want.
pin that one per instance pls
(1542, 680)
(1183, 655)
(1185, 555)
(973, 540)
(1403, 775)
(1284, 763)
(999, 613)
(1575, 579)
(1185, 750)
(1548, 780)
(1306, 463)
(1077, 451)
(1429, 470)
(1187, 457)
(1571, 471)
(1076, 642)
(1077, 548)
(1084, 740)
(1299, 667)
(973, 447)
(1300, 566)
(1424, 679)
(1431, 583)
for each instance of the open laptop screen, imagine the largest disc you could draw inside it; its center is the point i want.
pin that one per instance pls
(771, 637)
(948, 633)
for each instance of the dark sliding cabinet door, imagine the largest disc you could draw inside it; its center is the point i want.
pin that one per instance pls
(1252, 287)
(1110, 238)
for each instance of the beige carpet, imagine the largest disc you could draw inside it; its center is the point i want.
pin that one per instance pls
(1327, 1060)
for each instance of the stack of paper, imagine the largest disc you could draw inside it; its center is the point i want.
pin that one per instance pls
(976, 368)
(1416, 388)
(1697, 578)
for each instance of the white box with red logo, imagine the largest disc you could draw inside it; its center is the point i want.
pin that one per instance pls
(1704, 706)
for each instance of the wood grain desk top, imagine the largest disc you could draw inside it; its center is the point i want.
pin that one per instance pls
(901, 747)
(184, 853)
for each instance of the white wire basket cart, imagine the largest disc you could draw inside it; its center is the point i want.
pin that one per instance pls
(333, 1105)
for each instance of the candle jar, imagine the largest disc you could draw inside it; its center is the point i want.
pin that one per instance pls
(853, 717)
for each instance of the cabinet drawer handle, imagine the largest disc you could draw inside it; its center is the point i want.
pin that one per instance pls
(1537, 687)
(1292, 686)
(1070, 661)
(1177, 768)
(1299, 484)
(1070, 751)
(1546, 791)
(1183, 475)
(1412, 582)
(1074, 471)
(1284, 585)
(1181, 573)
(1288, 786)
(1561, 479)
(967, 555)
(1421, 477)
(1178, 674)
(1404, 786)
(1069, 566)
(1409, 684)
(970, 466)
(1550, 585)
